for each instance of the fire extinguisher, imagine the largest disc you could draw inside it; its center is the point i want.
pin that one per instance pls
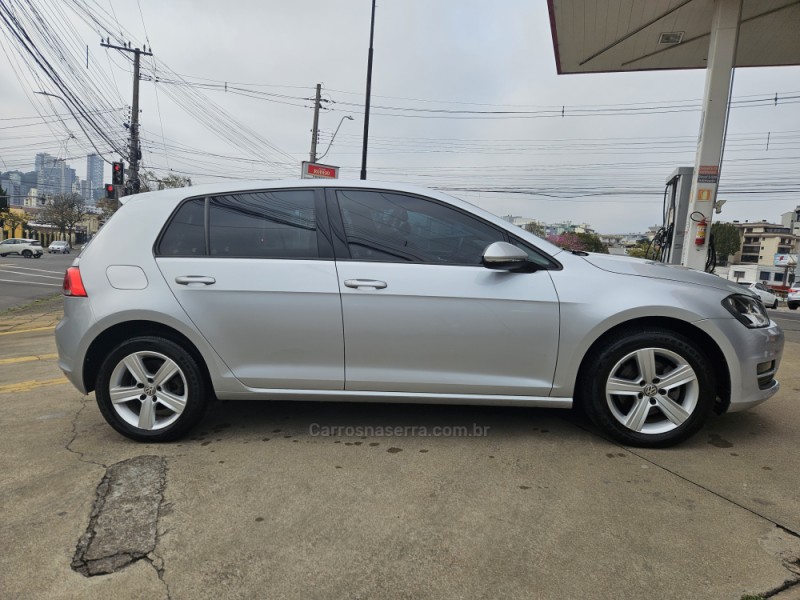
(700, 237)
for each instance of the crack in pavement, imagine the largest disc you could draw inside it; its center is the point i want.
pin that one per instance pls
(790, 557)
(68, 448)
(123, 523)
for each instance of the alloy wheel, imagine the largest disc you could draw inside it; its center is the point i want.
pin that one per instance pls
(652, 391)
(148, 390)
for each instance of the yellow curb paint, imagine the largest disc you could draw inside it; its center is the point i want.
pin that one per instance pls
(27, 386)
(22, 359)
(27, 330)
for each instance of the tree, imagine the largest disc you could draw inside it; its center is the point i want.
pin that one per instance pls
(727, 240)
(3, 211)
(64, 212)
(578, 242)
(149, 181)
(536, 228)
(15, 220)
(592, 243)
(107, 208)
(567, 241)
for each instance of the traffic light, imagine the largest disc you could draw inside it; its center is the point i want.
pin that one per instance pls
(117, 173)
(111, 191)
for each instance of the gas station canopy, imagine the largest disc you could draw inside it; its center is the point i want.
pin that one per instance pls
(601, 36)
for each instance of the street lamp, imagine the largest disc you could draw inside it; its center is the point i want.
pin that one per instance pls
(349, 118)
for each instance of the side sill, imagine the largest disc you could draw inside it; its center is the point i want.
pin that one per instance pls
(396, 397)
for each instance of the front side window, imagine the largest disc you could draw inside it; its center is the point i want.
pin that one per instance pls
(389, 227)
(281, 224)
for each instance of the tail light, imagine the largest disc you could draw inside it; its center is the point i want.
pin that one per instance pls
(73, 284)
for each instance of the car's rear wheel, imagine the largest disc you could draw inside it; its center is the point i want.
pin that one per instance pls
(27, 253)
(151, 389)
(775, 304)
(650, 388)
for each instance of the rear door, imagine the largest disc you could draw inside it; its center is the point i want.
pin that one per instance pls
(255, 273)
(420, 312)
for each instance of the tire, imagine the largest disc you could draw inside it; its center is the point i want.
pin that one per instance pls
(643, 413)
(3, 255)
(37, 256)
(27, 253)
(775, 305)
(143, 411)
(791, 305)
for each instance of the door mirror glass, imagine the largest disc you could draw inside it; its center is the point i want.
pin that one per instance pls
(505, 257)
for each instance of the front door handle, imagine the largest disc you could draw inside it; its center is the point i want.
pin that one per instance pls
(194, 279)
(365, 283)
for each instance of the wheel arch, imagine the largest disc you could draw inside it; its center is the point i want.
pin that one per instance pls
(104, 343)
(705, 342)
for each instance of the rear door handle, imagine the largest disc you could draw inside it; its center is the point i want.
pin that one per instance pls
(365, 283)
(194, 279)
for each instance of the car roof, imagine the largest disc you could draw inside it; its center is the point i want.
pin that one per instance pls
(265, 184)
(174, 196)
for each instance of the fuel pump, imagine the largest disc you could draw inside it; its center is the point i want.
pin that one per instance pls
(667, 245)
(668, 242)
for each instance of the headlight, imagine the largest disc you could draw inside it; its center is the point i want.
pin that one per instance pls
(749, 311)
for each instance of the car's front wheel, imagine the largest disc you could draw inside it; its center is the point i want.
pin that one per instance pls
(151, 389)
(650, 388)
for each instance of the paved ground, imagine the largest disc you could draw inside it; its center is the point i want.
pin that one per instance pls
(23, 280)
(254, 505)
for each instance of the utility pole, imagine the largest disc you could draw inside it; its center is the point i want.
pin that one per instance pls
(314, 132)
(134, 151)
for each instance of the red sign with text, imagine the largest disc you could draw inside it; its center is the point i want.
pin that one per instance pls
(317, 171)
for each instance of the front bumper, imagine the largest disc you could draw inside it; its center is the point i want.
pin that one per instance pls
(753, 357)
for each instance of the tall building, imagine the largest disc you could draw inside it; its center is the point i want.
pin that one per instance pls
(53, 175)
(94, 178)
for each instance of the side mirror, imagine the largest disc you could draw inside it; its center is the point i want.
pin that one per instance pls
(503, 256)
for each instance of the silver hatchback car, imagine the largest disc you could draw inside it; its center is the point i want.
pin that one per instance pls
(370, 292)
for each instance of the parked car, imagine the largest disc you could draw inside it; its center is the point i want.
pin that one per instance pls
(59, 247)
(370, 292)
(762, 291)
(793, 297)
(22, 247)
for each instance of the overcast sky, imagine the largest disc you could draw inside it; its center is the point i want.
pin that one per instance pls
(449, 56)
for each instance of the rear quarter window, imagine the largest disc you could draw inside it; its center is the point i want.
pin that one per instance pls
(185, 233)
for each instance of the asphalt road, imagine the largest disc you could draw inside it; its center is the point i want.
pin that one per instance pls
(789, 321)
(23, 280)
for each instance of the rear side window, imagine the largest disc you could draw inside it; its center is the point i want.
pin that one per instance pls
(280, 224)
(185, 234)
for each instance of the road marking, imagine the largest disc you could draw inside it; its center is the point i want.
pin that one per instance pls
(21, 359)
(7, 266)
(51, 327)
(31, 282)
(27, 386)
(13, 272)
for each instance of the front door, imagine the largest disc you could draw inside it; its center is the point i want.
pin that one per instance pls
(422, 315)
